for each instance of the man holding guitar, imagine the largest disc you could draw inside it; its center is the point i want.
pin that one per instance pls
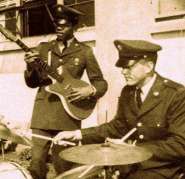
(68, 58)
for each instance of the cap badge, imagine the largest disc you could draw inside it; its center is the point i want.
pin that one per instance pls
(119, 47)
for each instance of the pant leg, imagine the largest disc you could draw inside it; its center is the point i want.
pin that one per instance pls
(60, 165)
(40, 148)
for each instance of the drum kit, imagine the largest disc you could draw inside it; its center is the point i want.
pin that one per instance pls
(96, 160)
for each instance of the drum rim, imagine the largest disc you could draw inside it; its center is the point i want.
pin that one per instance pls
(24, 171)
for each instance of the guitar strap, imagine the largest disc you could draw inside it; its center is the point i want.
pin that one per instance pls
(59, 69)
(49, 57)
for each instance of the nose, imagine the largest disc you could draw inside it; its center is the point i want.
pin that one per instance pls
(124, 71)
(59, 28)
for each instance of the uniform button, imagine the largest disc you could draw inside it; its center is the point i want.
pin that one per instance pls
(76, 45)
(60, 60)
(158, 125)
(141, 136)
(76, 61)
(165, 80)
(139, 124)
(156, 93)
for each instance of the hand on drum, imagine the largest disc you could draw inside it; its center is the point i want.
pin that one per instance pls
(67, 135)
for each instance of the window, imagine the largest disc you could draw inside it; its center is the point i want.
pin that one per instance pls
(170, 10)
(169, 18)
(9, 16)
(85, 6)
(32, 18)
(35, 18)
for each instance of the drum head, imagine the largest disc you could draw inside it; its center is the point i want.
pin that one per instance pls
(12, 170)
(76, 172)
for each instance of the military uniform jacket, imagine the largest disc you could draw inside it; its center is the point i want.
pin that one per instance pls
(48, 112)
(160, 125)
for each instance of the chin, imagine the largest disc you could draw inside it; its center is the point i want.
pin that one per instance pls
(131, 83)
(59, 37)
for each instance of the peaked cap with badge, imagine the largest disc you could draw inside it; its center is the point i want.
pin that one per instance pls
(61, 11)
(134, 50)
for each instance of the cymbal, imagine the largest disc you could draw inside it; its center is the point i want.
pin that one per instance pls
(7, 134)
(107, 154)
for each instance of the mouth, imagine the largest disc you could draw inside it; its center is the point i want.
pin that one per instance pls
(59, 32)
(128, 78)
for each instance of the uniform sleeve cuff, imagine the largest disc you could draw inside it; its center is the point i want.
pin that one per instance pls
(93, 90)
(78, 135)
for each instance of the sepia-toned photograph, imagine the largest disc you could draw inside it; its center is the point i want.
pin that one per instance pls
(92, 89)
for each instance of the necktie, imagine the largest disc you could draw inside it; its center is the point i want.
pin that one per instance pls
(138, 97)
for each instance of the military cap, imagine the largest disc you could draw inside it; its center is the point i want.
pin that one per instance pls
(134, 50)
(61, 11)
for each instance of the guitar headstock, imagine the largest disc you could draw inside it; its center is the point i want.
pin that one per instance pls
(7, 33)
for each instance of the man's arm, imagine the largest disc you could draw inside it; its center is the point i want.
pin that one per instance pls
(34, 75)
(116, 128)
(98, 85)
(95, 74)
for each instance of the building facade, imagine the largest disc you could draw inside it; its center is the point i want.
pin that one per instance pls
(160, 21)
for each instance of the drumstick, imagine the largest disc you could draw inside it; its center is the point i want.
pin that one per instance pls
(49, 138)
(86, 171)
(126, 136)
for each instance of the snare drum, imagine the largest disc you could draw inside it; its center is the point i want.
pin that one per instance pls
(94, 173)
(12, 170)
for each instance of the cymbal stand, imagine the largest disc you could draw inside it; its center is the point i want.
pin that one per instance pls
(2, 149)
(109, 173)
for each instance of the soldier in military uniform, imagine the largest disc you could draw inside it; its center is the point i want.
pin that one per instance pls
(159, 115)
(49, 116)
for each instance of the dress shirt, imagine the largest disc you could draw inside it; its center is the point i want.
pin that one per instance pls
(146, 88)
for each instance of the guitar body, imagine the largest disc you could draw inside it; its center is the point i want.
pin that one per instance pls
(78, 109)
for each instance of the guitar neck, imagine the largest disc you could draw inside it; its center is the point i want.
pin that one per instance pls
(23, 45)
(41, 63)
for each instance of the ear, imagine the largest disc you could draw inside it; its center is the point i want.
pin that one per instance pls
(149, 66)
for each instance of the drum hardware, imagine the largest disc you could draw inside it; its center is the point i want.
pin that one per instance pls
(13, 170)
(96, 172)
(7, 134)
(106, 155)
(2, 150)
(86, 171)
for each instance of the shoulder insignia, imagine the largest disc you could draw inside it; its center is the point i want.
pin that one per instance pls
(172, 84)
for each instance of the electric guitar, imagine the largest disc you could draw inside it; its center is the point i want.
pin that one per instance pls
(79, 110)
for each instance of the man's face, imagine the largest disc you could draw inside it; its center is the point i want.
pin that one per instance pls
(64, 30)
(135, 72)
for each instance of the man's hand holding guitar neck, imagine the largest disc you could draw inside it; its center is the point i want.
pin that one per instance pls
(30, 58)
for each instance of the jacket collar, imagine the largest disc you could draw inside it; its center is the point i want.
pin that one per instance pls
(74, 46)
(154, 96)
